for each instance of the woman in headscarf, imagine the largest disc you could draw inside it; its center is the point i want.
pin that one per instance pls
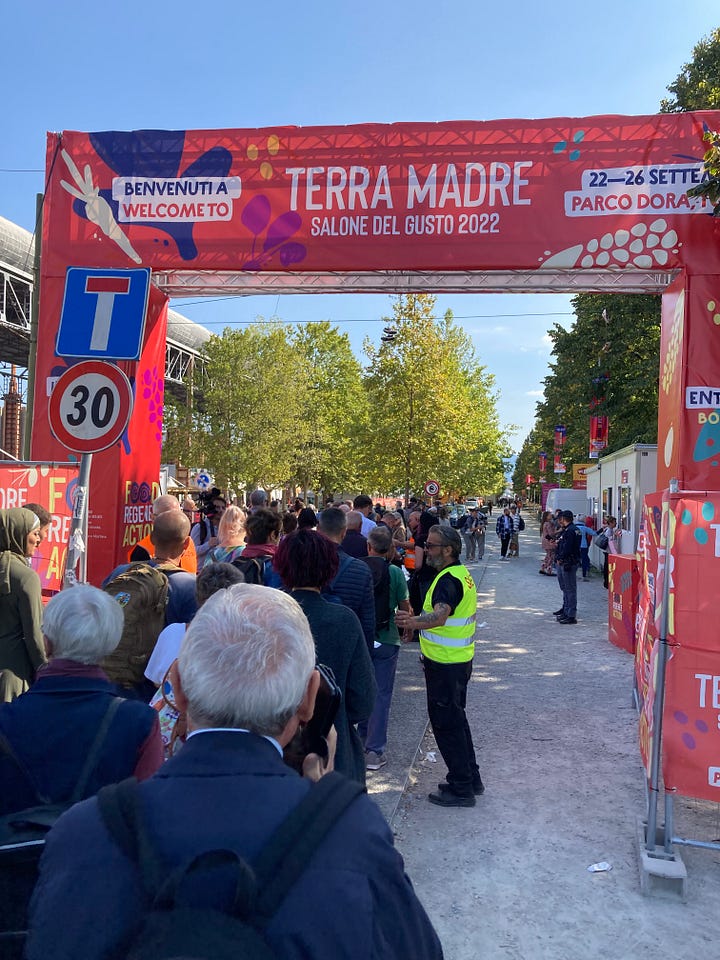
(22, 649)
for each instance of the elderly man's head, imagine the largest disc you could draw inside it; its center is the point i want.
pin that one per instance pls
(258, 498)
(83, 624)
(354, 520)
(246, 661)
(164, 504)
(414, 520)
(380, 541)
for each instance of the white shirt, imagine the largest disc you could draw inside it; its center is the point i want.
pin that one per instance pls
(271, 740)
(366, 525)
(166, 650)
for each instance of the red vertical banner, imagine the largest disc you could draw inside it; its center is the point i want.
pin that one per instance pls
(691, 716)
(646, 619)
(689, 396)
(542, 463)
(623, 583)
(559, 438)
(52, 485)
(124, 479)
(599, 433)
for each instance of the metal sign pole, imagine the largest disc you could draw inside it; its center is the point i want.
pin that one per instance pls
(659, 702)
(77, 542)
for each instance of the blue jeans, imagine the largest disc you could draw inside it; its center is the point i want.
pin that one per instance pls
(374, 730)
(585, 560)
(567, 581)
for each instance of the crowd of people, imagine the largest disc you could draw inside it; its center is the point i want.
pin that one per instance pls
(201, 656)
(196, 670)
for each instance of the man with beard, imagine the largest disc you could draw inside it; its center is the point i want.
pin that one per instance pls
(447, 629)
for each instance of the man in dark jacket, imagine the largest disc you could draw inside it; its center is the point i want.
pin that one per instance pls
(354, 543)
(567, 556)
(353, 584)
(228, 789)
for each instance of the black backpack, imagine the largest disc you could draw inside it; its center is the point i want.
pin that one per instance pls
(172, 927)
(253, 568)
(521, 525)
(380, 569)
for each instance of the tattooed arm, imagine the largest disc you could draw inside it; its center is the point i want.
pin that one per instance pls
(437, 617)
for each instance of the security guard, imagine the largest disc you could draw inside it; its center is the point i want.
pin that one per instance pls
(447, 628)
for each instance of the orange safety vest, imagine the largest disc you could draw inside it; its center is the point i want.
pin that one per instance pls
(409, 560)
(188, 561)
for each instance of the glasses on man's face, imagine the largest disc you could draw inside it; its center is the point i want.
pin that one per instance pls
(429, 544)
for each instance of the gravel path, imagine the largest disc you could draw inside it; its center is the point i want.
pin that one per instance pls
(550, 708)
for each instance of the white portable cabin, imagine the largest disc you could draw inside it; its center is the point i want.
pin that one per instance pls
(616, 487)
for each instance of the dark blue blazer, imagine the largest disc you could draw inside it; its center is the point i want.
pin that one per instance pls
(353, 584)
(51, 728)
(231, 790)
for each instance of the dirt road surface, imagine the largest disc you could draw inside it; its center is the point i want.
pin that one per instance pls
(556, 735)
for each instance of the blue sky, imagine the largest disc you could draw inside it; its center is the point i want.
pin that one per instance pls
(181, 65)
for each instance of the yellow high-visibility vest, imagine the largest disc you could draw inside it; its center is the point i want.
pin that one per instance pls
(453, 642)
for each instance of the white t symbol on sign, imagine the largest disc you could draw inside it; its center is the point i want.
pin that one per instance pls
(106, 289)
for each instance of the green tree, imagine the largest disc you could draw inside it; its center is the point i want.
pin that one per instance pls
(697, 86)
(254, 382)
(432, 406)
(610, 353)
(335, 412)
(634, 335)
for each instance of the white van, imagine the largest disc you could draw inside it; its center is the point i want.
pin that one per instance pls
(563, 498)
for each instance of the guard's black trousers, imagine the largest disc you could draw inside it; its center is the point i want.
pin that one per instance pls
(446, 685)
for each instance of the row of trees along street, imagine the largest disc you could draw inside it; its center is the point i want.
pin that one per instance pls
(616, 336)
(281, 405)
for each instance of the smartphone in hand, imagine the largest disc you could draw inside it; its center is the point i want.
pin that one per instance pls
(312, 736)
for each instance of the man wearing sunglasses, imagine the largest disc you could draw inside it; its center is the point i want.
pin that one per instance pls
(447, 628)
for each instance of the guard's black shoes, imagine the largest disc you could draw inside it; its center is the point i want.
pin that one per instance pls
(566, 620)
(478, 787)
(450, 799)
(558, 613)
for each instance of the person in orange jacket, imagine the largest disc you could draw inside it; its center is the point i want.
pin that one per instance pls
(144, 550)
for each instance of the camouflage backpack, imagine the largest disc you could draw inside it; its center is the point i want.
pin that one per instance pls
(142, 592)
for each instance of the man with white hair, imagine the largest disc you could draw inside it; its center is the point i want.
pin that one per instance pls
(51, 727)
(246, 679)
(258, 500)
(354, 543)
(144, 550)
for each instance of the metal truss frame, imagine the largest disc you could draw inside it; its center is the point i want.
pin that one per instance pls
(186, 283)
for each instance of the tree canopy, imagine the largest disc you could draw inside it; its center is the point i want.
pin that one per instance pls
(697, 86)
(626, 348)
(293, 406)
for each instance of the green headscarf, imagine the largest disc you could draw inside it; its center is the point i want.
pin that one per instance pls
(15, 525)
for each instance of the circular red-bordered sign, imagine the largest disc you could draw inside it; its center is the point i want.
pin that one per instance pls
(90, 406)
(432, 488)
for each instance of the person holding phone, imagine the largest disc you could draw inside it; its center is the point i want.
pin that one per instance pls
(247, 680)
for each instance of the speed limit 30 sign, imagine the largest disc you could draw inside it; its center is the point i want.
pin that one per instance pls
(90, 406)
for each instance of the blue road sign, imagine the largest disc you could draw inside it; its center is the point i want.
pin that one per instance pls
(103, 313)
